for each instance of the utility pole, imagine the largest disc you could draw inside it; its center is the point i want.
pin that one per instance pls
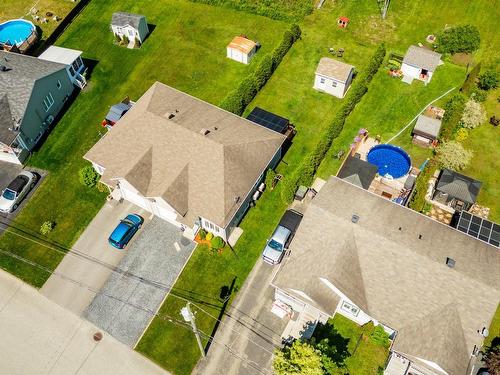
(189, 317)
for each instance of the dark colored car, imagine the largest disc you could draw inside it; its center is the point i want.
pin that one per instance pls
(125, 231)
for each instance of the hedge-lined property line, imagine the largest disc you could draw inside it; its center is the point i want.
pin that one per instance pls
(304, 174)
(270, 9)
(237, 100)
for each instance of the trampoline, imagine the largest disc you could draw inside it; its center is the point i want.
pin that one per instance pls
(391, 161)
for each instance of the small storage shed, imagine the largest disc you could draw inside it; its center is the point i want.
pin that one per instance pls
(419, 63)
(241, 49)
(343, 22)
(134, 26)
(333, 77)
(456, 190)
(426, 131)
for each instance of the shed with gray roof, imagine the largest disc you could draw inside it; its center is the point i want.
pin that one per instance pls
(456, 190)
(420, 63)
(333, 77)
(426, 130)
(133, 26)
(392, 265)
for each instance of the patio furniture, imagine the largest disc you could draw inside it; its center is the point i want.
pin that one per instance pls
(340, 52)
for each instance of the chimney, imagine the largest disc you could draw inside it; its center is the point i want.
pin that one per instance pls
(204, 131)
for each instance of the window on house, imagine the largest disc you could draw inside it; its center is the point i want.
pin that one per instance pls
(322, 80)
(59, 84)
(48, 102)
(349, 308)
(71, 71)
(334, 84)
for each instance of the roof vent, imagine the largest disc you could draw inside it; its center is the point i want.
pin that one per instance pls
(204, 131)
(3, 68)
(450, 262)
(355, 218)
(170, 115)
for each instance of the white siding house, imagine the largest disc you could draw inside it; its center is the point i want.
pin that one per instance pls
(333, 77)
(241, 49)
(134, 26)
(420, 63)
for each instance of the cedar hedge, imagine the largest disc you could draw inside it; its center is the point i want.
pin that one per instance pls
(417, 201)
(237, 100)
(304, 174)
(454, 109)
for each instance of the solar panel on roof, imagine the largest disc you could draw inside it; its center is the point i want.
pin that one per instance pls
(269, 120)
(480, 228)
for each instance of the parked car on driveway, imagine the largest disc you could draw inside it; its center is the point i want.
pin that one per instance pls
(280, 240)
(15, 192)
(124, 231)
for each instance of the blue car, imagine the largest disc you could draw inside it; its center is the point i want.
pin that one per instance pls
(125, 231)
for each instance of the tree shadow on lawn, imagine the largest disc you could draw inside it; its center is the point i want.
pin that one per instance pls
(336, 345)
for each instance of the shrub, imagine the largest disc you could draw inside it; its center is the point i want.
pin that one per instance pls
(462, 135)
(202, 233)
(368, 328)
(417, 201)
(473, 115)
(470, 82)
(270, 174)
(305, 172)
(300, 355)
(247, 90)
(233, 103)
(125, 40)
(380, 336)
(296, 31)
(137, 43)
(209, 236)
(464, 38)
(88, 176)
(47, 227)
(118, 38)
(453, 155)
(217, 243)
(479, 95)
(282, 48)
(263, 71)
(488, 80)
(454, 109)
(102, 188)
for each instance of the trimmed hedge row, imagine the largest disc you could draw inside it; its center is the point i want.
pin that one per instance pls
(304, 174)
(417, 201)
(454, 108)
(274, 9)
(237, 99)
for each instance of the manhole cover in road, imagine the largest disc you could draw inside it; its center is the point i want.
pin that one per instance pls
(185, 241)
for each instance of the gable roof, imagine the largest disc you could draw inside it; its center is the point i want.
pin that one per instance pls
(124, 19)
(422, 58)
(358, 172)
(458, 186)
(382, 265)
(335, 69)
(158, 146)
(427, 126)
(16, 83)
(242, 44)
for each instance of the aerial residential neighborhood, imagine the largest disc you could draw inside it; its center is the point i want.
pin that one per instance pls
(249, 187)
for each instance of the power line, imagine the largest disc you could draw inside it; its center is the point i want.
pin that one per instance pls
(164, 317)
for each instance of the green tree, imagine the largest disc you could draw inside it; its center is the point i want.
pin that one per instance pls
(492, 360)
(299, 358)
(453, 155)
(88, 176)
(488, 80)
(464, 38)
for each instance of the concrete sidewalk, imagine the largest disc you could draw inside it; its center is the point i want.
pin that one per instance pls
(40, 337)
(93, 243)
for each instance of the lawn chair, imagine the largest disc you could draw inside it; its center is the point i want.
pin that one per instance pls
(331, 50)
(340, 52)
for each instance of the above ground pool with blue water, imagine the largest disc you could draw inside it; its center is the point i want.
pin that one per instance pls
(390, 160)
(15, 31)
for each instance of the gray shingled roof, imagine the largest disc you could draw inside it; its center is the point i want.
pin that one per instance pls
(358, 172)
(161, 147)
(456, 185)
(16, 84)
(427, 126)
(422, 58)
(335, 69)
(124, 19)
(382, 265)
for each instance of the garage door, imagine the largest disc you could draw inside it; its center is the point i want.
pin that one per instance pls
(135, 198)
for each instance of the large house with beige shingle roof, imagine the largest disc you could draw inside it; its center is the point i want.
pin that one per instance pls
(333, 77)
(434, 289)
(185, 160)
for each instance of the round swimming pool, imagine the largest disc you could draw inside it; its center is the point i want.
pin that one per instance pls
(391, 161)
(15, 31)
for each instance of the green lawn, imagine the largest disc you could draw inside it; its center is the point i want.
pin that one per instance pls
(494, 330)
(185, 50)
(11, 9)
(362, 355)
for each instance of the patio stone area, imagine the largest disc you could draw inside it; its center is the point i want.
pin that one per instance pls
(440, 215)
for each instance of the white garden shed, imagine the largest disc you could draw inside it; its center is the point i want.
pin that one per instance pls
(133, 26)
(333, 77)
(241, 49)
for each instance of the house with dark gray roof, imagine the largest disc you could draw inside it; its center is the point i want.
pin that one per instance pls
(456, 190)
(185, 160)
(432, 288)
(133, 26)
(358, 172)
(419, 63)
(32, 93)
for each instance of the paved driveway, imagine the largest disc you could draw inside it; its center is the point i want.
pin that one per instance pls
(91, 260)
(40, 337)
(152, 258)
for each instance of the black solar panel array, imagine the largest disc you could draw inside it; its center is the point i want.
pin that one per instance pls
(269, 120)
(478, 227)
